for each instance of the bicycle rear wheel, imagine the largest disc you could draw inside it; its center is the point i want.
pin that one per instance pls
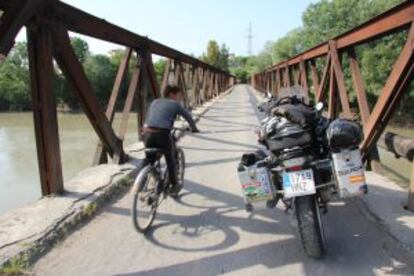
(145, 199)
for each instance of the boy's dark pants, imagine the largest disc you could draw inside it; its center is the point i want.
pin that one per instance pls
(161, 138)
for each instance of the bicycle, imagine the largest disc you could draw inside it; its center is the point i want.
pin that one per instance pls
(152, 183)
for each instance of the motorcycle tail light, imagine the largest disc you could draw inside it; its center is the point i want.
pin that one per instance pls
(295, 168)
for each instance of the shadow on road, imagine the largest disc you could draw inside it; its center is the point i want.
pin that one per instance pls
(347, 254)
(351, 243)
(227, 262)
(210, 218)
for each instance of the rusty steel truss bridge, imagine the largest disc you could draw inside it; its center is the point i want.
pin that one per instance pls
(48, 22)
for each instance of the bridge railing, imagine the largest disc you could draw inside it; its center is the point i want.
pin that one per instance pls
(330, 87)
(48, 23)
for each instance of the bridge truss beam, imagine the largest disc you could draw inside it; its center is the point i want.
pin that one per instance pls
(395, 20)
(332, 83)
(48, 23)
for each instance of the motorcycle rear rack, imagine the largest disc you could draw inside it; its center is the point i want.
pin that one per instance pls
(310, 164)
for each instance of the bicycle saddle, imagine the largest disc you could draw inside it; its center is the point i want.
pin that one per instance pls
(153, 152)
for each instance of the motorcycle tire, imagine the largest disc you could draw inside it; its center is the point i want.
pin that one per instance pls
(310, 225)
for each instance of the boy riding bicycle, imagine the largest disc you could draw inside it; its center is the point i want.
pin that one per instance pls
(159, 122)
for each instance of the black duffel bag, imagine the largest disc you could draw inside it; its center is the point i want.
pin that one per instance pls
(286, 134)
(297, 114)
(343, 134)
(249, 159)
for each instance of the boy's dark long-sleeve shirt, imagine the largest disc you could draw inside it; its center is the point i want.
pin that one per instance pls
(163, 112)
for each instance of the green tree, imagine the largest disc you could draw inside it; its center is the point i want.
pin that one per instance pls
(289, 45)
(101, 73)
(64, 94)
(213, 53)
(217, 56)
(327, 19)
(14, 80)
(159, 67)
(81, 48)
(223, 58)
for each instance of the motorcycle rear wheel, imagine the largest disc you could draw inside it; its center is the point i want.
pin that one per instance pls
(310, 225)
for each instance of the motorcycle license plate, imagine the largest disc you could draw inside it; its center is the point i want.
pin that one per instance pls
(298, 183)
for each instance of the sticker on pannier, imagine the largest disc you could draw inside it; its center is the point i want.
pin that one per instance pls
(255, 184)
(349, 172)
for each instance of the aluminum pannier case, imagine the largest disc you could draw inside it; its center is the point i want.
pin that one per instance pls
(256, 185)
(349, 172)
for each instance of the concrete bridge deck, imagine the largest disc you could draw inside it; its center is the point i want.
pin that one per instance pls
(208, 232)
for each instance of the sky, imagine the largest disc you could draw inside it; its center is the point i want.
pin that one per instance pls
(187, 25)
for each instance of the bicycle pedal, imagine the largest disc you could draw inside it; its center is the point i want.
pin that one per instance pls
(249, 207)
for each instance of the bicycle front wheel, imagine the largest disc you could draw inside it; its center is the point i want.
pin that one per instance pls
(180, 169)
(145, 199)
(181, 166)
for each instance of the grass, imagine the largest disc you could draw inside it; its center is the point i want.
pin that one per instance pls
(16, 266)
(90, 209)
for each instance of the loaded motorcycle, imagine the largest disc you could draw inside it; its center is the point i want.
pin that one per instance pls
(307, 161)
